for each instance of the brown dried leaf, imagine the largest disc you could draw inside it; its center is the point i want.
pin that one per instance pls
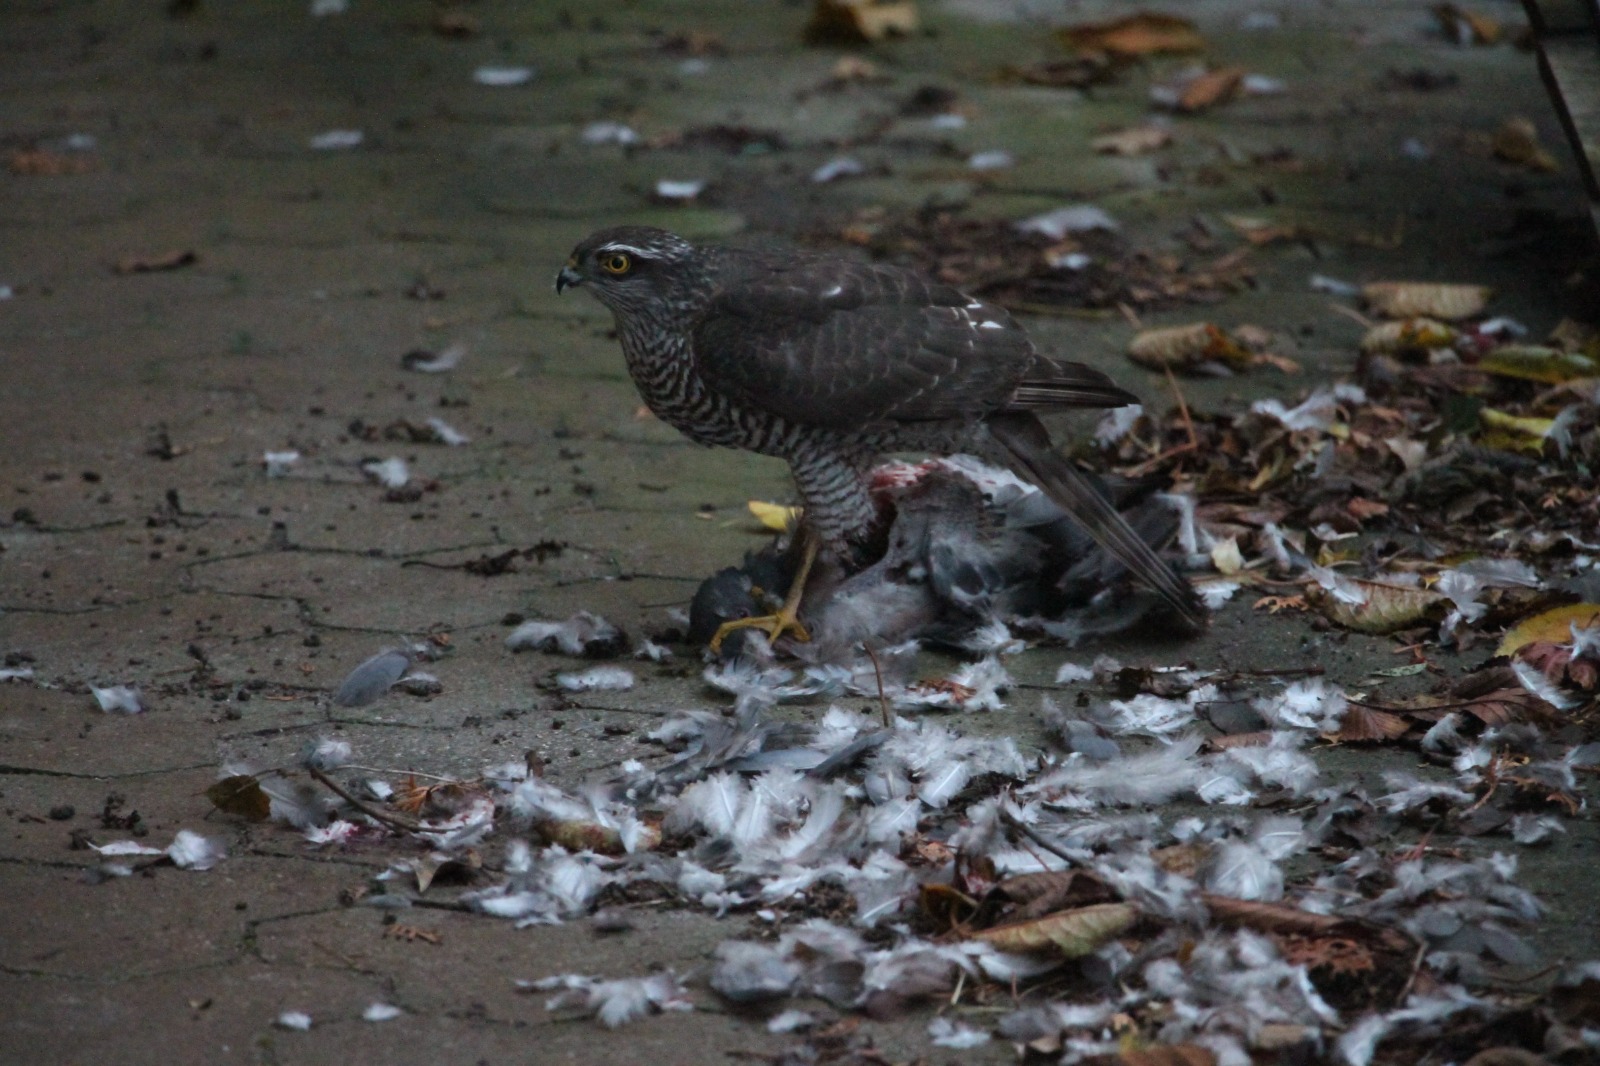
(1426, 299)
(1073, 933)
(1144, 34)
(1466, 27)
(1133, 140)
(1366, 724)
(1184, 347)
(860, 20)
(40, 162)
(241, 794)
(1182, 859)
(1388, 608)
(1159, 1055)
(1211, 88)
(582, 835)
(456, 24)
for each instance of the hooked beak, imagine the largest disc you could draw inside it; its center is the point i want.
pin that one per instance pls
(568, 278)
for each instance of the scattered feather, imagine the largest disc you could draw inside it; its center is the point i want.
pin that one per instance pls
(615, 1003)
(584, 635)
(191, 851)
(369, 681)
(597, 679)
(119, 699)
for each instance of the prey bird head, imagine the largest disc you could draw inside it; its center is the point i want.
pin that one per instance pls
(624, 266)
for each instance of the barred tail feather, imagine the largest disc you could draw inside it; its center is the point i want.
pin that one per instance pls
(1028, 442)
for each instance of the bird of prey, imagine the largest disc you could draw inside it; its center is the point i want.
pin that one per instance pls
(828, 363)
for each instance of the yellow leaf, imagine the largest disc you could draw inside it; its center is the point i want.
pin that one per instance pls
(1514, 433)
(1554, 627)
(1225, 556)
(1533, 362)
(774, 516)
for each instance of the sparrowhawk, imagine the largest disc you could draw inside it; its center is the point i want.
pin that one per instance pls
(828, 363)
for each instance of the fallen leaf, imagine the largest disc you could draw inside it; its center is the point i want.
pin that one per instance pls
(585, 835)
(774, 516)
(1073, 933)
(241, 794)
(1226, 557)
(860, 20)
(1133, 140)
(1412, 299)
(1366, 724)
(1408, 335)
(1514, 433)
(1466, 27)
(1261, 232)
(1531, 362)
(172, 260)
(1211, 88)
(39, 162)
(1274, 604)
(1185, 347)
(1385, 609)
(1363, 509)
(1143, 34)
(1554, 627)
(1517, 141)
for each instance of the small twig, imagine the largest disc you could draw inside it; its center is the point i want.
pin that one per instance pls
(1351, 312)
(403, 824)
(961, 983)
(1411, 979)
(1183, 407)
(883, 701)
(1034, 835)
(403, 773)
(1150, 464)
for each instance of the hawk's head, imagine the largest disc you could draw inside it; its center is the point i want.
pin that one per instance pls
(625, 266)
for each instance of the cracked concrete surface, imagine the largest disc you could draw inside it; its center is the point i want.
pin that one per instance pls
(142, 543)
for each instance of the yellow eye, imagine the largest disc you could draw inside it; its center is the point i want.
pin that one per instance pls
(616, 263)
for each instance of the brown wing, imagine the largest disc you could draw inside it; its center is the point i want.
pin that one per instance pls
(833, 342)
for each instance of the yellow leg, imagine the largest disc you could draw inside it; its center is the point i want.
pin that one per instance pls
(787, 620)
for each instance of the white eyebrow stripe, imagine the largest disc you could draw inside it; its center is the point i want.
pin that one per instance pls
(991, 325)
(624, 248)
(836, 290)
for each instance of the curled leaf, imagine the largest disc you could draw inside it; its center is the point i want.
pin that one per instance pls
(1411, 299)
(1182, 347)
(1553, 627)
(1073, 933)
(1408, 335)
(1532, 362)
(1382, 608)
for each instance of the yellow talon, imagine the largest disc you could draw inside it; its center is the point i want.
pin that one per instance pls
(787, 618)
